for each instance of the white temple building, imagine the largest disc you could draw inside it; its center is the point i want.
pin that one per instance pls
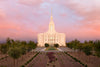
(51, 36)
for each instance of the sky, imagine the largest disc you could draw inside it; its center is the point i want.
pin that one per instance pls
(25, 19)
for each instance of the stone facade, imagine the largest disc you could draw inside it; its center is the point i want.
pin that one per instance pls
(51, 36)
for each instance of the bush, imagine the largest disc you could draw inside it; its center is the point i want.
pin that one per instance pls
(22, 66)
(56, 45)
(87, 49)
(97, 48)
(46, 45)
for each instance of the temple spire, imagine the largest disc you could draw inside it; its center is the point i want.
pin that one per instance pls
(51, 15)
(51, 11)
(51, 24)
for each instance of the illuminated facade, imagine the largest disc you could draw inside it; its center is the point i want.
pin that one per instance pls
(51, 36)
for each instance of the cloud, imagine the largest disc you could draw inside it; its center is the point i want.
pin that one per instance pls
(16, 31)
(88, 9)
(26, 22)
(2, 14)
(63, 14)
(30, 2)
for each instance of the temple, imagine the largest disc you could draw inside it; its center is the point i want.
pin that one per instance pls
(51, 36)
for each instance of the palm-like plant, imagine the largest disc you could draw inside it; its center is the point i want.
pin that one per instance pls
(8, 42)
(23, 51)
(15, 53)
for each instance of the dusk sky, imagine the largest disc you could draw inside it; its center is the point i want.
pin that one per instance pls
(24, 19)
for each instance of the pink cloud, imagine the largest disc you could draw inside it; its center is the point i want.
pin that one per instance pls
(30, 2)
(89, 10)
(26, 22)
(16, 31)
(63, 14)
(2, 14)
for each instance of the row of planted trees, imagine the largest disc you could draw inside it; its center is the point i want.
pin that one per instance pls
(88, 47)
(16, 48)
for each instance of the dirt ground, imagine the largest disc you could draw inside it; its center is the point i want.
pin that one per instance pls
(9, 62)
(63, 60)
(91, 61)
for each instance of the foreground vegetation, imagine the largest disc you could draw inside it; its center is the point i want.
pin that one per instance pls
(16, 49)
(51, 48)
(19, 53)
(88, 47)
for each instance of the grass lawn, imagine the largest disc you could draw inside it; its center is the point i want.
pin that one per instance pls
(51, 48)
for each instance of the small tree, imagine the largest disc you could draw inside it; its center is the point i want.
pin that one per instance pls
(87, 49)
(31, 45)
(80, 46)
(56, 45)
(4, 48)
(97, 47)
(23, 51)
(8, 41)
(15, 53)
(46, 45)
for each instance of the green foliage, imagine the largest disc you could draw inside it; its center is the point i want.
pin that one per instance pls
(97, 47)
(4, 48)
(3, 66)
(31, 45)
(56, 45)
(15, 53)
(87, 49)
(51, 48)
(8, 41)
(73, 44)
(80, 46)
(23, 50)
(22, 66)
(69, 45)
(24, 43)
(46, 45)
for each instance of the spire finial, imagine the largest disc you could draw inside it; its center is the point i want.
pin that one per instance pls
(51, 11)
(51, 14)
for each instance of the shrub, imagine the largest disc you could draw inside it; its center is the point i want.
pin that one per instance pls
(87, 49)
(22, 66)
(56, 45)
(46, 45)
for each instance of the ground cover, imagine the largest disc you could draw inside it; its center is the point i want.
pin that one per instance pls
(51, 48)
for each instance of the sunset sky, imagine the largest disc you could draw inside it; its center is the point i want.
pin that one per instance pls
(24, 19)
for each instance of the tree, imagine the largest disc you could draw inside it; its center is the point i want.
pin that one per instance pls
(31, 45)
(97, 47)
(4, 48)
(87, 49)
(73, 44)
(8, 42)
(15, 53)
(24, 42)
(23, 51)
(80, 46)
(46, 45)
(56, 45)
(69, 45)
